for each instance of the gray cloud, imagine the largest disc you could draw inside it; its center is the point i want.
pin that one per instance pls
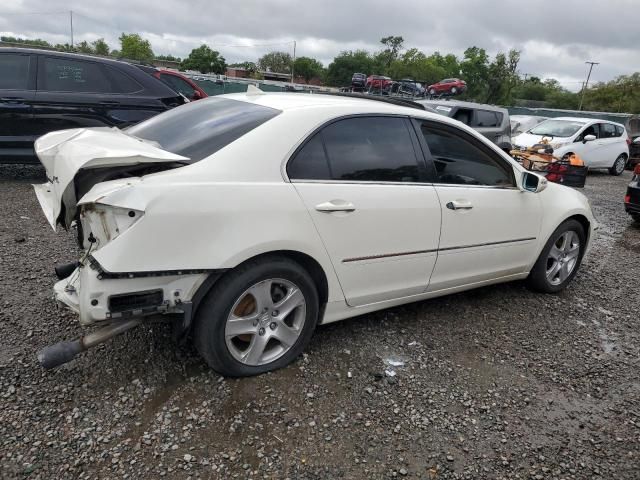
(555, 37)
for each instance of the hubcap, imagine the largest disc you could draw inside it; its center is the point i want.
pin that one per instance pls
(265, 321)
(563, 257)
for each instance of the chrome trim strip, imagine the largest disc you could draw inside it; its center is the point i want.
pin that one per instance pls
(405, 184)
(488, 244)
(386, 255)
(418, 252)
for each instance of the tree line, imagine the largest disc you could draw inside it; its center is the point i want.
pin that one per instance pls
(489, 79)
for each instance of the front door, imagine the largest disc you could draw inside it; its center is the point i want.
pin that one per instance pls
(490, 227)
(361, 181)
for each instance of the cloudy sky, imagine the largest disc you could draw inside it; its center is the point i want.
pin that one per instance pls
(555, 37)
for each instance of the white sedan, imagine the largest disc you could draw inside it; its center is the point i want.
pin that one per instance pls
(249, 219)
(599, 143)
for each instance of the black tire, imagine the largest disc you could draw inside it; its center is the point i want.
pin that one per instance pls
(211, 317)
(619, 165)
(636, 217)
(537, 279)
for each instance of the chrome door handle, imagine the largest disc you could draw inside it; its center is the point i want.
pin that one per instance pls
(459, 205)
(336, 206)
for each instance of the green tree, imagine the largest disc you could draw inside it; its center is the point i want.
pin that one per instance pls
(277, 62)
(346, 64)
(502, 77)
(474, 68)
(390, 54)
(83, 47)
(308, 68)
(134, 47)
(205, 60)
(416, 65)
(250, 67)
(168, 58)
(100, 47)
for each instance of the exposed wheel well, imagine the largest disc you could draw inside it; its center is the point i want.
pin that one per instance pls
(584, 222)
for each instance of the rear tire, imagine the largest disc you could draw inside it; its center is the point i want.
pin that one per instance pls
(619, 165)
(257, 318)
(454, 90)
(432, 91)
(560, 258)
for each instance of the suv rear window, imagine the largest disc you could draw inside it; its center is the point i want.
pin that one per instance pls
(201, 128)
(486, 118)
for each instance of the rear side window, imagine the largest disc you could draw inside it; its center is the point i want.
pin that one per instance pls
(486, 118)
(608, 130)
(199, 129)
(121, 82)
(619, 131)
(66, 75)
(371, 149)
(14, 71)
(461, 160)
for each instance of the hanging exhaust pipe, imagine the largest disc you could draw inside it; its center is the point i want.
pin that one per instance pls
(63, 352)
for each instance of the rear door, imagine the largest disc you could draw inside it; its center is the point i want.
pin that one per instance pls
(362, 183)
(613, 143)
(17, 92)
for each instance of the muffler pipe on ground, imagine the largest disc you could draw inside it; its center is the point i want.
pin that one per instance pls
(63, 352)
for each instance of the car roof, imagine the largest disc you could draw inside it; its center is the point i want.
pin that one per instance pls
(70, 55)
(460, 103)
(358, 104)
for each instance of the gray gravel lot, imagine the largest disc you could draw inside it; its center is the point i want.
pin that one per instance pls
(496, 383)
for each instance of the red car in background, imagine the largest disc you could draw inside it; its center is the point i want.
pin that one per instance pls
(378, 82)
(180, 84)
(448, 85)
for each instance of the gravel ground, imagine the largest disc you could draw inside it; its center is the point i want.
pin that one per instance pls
(494, 383)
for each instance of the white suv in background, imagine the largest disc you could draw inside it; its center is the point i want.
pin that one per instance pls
(599, 143)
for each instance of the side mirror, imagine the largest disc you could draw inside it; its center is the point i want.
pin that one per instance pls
(589, 138)
(196, 95)
(533, 183)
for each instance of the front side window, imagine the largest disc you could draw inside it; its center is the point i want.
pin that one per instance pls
(371, 149)
(199, 129)
(65, 75)
(590, 130)
(14, 71)
(178, 84)
(461, 160)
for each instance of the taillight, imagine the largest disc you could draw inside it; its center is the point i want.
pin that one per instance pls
(627, 199)
(636, 170)
(628, 141)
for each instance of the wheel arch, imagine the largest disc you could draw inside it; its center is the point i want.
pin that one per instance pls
(310, 264)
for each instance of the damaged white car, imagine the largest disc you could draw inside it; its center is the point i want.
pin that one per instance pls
(249, 219)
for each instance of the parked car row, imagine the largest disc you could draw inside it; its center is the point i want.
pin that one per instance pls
(385, 85)
(43, 91)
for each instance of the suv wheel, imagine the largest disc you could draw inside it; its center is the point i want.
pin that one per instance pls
(432, 91)
(560, 258)
(619, 165)
(257, 318)
(454, 90)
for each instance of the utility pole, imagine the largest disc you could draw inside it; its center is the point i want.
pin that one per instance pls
(71, 21)
(294, 60)
(586, 84)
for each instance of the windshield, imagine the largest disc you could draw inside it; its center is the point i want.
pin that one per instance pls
(557, 128)
(199, 129)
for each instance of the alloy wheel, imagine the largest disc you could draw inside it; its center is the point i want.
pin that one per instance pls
(265, 321)
(563, 257)
(619, 165)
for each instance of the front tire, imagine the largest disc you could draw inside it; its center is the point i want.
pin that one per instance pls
(560, 258)
(432, 91)
(454, 90)
(619, 165)
(257, 318)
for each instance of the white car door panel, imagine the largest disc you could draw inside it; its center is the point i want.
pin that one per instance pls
(384, 246)
(494, 238)
(360, 179)
(489, 226)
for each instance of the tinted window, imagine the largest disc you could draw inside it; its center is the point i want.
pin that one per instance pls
(121, 82)
(370, 149)
(198, 129)
(607, 130)
(65, 75)
(619, 131)
(310, 163)
(14, 72)
(485, 118)
(460, 160)
(178, 84)
(590, 130)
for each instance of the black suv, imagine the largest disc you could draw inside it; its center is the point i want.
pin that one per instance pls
(42, 91)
